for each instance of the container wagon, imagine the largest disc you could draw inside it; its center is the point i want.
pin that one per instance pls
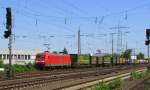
(80, 60)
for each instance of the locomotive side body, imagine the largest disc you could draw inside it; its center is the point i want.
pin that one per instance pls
(48, 60)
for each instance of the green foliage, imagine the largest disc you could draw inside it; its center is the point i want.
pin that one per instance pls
(19, 68)
(115, 84)
(139, 75)
(140, 56)
(55, 52)
(22, 68)
(127, 54)
(65, 51)
(101, 87)
(1, 64)
(148, 81)
(112, 85)
(116, 55)
(31, 66)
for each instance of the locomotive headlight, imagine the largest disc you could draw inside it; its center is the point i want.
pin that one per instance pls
(42, 61)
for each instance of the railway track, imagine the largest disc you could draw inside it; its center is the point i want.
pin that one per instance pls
(56, 72)
(87, 85)
(33, 81)
(66, 71)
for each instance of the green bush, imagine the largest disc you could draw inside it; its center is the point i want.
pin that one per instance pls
(115, 84)
(101, 87)
(31, 67)
(19, 68)
(112, 85)
(24, 68)
(148, 81)
(139, 75)
(1, 64)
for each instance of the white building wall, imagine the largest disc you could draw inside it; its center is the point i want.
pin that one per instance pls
(19, 56)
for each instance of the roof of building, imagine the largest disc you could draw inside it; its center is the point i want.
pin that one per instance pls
(20, 51)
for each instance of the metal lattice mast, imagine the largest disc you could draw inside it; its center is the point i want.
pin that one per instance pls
(119, 37)
(79, 42)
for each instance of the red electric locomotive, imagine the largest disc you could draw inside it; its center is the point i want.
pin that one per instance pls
(47, 59)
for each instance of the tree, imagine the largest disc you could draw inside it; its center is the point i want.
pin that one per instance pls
(55, 52)
(116, 55)
(65, 51)
(140, 56)
(127, 54)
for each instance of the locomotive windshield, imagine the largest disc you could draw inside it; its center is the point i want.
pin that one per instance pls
(40, 56)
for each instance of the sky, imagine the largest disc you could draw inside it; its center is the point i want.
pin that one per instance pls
(56, 22)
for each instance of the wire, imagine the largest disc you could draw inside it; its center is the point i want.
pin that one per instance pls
(32, 17)
(84, 17)
(75, 7)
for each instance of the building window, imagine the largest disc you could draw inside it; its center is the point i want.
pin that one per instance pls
(4, 56)
(29, 57)
(26, 57)
(15, 57)
(22, 57)
(18, 57)
(7, 57)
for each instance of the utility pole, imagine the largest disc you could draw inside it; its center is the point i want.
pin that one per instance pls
(119, 38)
(10, 56)
(79, 42)
(112, 44)
(148, 50)
(8, 35)
(126, 45)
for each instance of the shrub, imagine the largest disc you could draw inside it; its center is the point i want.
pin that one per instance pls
(31, 67)
(115, 84)
(112, 85)
(24, 68)
(1, 64)
(101, 86)
(139, 75)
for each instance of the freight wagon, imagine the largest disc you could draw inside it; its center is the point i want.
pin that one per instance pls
(80, 60)
(94, 60)
(122, 61)
(47, 59)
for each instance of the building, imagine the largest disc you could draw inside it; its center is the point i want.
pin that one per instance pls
(100, 54)
(19, 56)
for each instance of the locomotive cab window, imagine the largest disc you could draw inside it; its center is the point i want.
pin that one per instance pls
(40, 56)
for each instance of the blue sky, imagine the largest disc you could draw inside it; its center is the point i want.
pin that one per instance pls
(40, 19)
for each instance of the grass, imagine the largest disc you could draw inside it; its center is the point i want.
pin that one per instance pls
(116, 83)
(139, 75)
(20, 68)
(24, 68)
(112, 85)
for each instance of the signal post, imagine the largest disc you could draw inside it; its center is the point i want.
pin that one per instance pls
(147, 42)
(8, 35)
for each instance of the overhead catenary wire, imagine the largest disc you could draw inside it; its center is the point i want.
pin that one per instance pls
(40, 20)
(75, 7)
(96, 18)
(87, 17)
